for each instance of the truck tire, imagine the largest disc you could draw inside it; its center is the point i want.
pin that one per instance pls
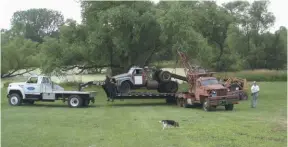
(161, 88)
(229, 107)
(75, 101)
(185, 104)
(86, 102)
(171, 87)
(164, 76)
(15, 99)
(179, 102)
(125, 87)
(206, 106)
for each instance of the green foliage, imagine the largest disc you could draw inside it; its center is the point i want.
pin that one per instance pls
(17, 54)
(120, 34)
(35, 24)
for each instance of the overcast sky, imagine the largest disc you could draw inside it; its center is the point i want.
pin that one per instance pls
(71, 9)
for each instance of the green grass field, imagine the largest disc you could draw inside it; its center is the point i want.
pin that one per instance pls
(134, 123)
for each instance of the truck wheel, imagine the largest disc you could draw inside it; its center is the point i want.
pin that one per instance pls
(161, 88)
(171, 87)
(75, 101)
(229, 107)
(86, 102)
(206, 106)
(164, 76)
(15, 100)
(185, 104)
(179, 102)
(125, 87)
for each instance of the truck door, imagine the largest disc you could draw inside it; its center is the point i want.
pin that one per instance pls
(32, 86)
(137, 76)
(47, 89)
(46, 85)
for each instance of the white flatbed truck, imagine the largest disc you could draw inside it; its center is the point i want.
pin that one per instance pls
(41, 88)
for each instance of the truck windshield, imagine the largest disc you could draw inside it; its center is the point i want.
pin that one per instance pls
(209, 82)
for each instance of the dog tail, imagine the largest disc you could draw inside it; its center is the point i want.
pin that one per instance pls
(160, 121)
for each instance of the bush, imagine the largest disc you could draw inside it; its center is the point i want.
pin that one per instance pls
(257, 75)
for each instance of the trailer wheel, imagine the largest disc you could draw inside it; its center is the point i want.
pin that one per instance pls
(15, 99)
(229, 107)
(75, 101)
(86, 102)
(170, 101)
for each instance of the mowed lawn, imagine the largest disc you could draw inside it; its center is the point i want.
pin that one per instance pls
(134, 123)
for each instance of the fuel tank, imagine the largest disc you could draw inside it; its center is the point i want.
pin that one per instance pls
(153, 84)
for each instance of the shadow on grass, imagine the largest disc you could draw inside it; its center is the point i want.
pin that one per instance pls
(139, 104)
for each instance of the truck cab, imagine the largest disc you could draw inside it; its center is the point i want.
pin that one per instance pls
(209, 86)
(138, 76)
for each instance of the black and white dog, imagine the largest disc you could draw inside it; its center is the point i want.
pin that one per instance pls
(169, 123)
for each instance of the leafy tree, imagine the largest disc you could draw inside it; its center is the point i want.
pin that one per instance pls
(35, 24)
(18, 55)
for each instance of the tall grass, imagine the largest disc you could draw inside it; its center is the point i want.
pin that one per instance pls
(257, 75)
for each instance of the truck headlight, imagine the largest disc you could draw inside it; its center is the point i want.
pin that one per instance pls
(213, 93)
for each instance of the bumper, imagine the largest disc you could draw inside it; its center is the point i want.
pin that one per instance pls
(223, 100)
(8, 95)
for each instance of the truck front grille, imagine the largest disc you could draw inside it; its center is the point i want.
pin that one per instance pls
(221, 92)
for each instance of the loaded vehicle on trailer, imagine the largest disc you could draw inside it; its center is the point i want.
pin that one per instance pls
(204, 89)
(149, 78)
(41, 88)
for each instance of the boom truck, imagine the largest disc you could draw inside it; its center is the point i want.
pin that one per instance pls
(204, 89)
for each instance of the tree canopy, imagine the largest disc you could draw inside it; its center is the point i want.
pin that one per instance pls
(120, 34)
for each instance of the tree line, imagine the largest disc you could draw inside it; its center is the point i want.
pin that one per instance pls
(117, 34)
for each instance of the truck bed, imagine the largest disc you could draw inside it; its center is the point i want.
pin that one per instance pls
(74, 92)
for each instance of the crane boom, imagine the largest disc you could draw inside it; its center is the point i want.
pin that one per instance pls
(190, 71)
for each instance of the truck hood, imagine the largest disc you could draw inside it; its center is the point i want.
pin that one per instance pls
(215, 87)
(121, 75)
(18, 83)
